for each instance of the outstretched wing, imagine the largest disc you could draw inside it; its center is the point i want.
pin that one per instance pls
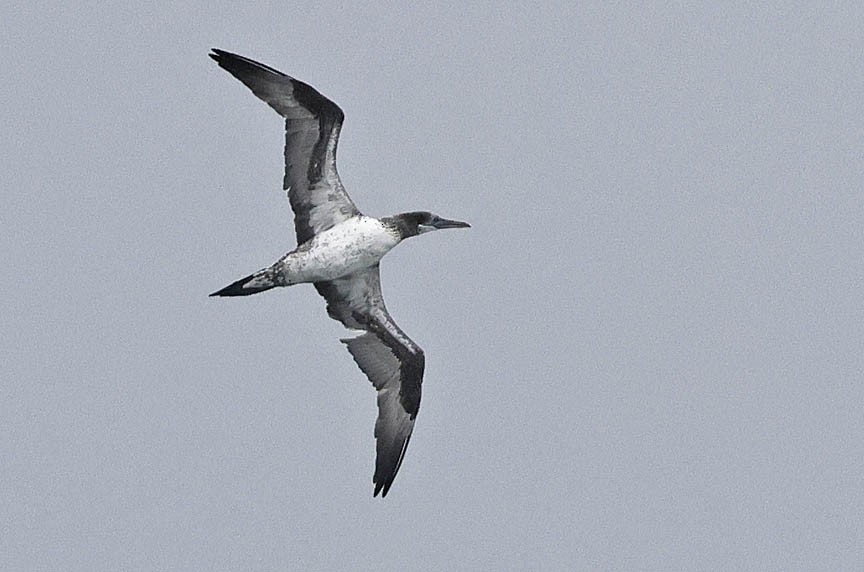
(312, 125)
(392, 362)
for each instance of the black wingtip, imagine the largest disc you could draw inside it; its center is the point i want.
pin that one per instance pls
(382, 488)
(384, 476)
(221, 56)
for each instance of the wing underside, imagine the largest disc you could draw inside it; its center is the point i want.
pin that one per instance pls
(392, 362)
(312, 127)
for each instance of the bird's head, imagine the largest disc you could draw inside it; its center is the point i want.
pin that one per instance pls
(419, 222)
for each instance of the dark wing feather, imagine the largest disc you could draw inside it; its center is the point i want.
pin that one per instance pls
(390, 359)
(312, 126)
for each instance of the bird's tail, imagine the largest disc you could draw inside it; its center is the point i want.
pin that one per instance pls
(252, 284)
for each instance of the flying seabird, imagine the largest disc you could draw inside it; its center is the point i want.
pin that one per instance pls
(338, 251)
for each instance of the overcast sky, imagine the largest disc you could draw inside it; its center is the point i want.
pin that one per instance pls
(645, 355)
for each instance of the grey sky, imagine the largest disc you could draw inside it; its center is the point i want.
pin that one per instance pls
(645, 354)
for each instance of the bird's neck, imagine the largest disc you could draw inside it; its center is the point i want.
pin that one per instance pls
(403, 228)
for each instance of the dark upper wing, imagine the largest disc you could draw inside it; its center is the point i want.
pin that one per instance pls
(312, 125)
(392, 362)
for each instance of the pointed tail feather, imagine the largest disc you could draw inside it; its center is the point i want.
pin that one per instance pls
(252, 284)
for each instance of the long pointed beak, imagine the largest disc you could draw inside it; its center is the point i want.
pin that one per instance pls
(444, 223)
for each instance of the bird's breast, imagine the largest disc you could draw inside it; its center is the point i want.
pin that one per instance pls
(353, 245)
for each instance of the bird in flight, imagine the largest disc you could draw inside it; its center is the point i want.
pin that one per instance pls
(338, 251)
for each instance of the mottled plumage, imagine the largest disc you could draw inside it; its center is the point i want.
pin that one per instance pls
(338, 251)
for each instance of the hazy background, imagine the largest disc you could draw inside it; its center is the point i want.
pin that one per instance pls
(645, 355)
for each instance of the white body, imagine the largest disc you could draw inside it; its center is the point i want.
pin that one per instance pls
(355, 244)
